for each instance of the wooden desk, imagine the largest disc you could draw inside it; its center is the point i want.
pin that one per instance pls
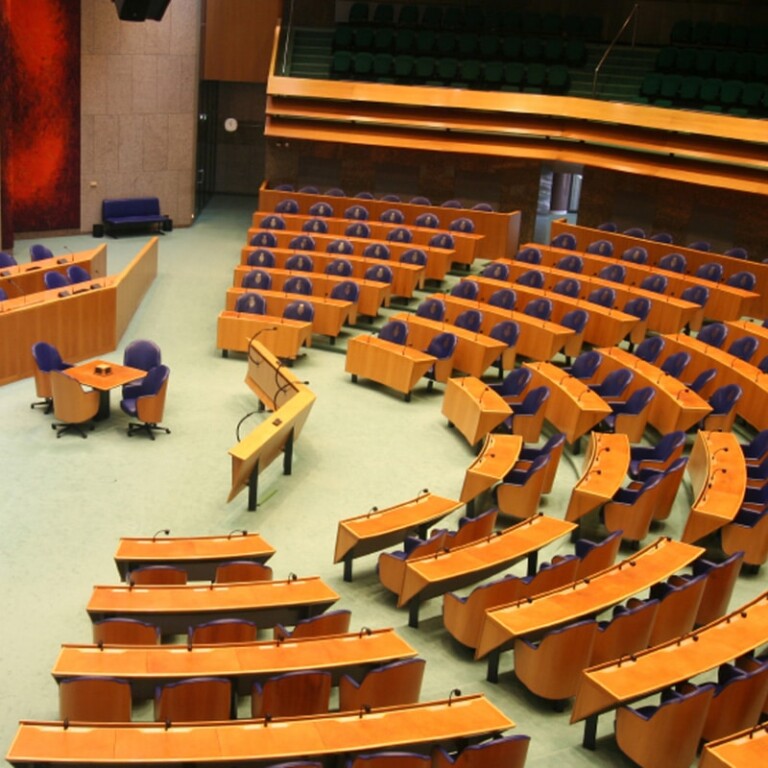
(496, 458)
(745, 749)
(473, 407)
(372, 293)
(501, 230)
(147, 666)
(718, 479)
(605, 466)
(175, 608)
(475, 352)
(269, 378)
(281, 335)
(88, 374)
(607, 686)
(253, 742)
(586, 235)
(406, 278)
(382, 528)
(432, 575)
(393, 365)
(198, 555)
(438, 259)
(675, 406)
(467, 244)
(330, 314)
(538, 340)
(530, 618)
(572, 407)
(23, 279)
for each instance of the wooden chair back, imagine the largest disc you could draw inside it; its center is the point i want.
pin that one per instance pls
(391, 760)
(71, 403)
(507, 752)
(392, 565)
(150, 408)
(43, 383)
(481, 527)
(242, 570)
(522, 501)
(330, 623)
(195, 699)
(599, 556)
(626, 633)
(223, 631)
(737, 704)
(157, 574)
(561, 571)
(721, 579)
(552, 668)
(678, 608)
(634, 520)
(119, 631)
(95, 700)
(750, 539)
(387, 686)
(292, 694)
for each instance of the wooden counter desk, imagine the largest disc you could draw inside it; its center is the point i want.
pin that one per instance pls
(385, 362)
(467, 244)
(606, 462)
(745, 749)
(586, 235)
(675, 406)
(382, 528)
(146, 666)
(406, 278)
(473, 407)
(438, 259)
(475, 352)
(538, 340)
(572, 407)
(281, 335)
(718, 481)
(726, 302)
(330, 314)
(198, 555)
(610, 685)
(373, 294)
(425, 577)
(256, 742)
(175, 608)
(532, 617)
(496, 458)
(501, 229)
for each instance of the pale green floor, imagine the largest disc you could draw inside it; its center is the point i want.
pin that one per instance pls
(66, 502)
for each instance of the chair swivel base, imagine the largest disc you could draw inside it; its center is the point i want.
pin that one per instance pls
(61, 428)
(147, 427)
(47, 404)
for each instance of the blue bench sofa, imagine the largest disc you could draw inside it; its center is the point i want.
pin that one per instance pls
(133, 213)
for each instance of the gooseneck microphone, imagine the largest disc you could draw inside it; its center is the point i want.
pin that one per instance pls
(164, 531)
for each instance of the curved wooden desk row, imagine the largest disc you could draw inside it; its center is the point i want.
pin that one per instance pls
(147, 666)
(586, 235)
(500, 230)
(198, 555)
(280, 335)
(726, 302)
(438, 259)
(473, 407)
(100, 309)
(406, 278)
(467, 244)
(258, 742)
(745, 749)
(608, 686)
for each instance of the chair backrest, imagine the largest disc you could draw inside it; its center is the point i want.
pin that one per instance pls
(399, 235)
(348, 290)
(443, 345)
(737, 703)
(680, 599)
(502, 752)
(194, 699)
(744, 280)
(340, 267)
(607, 226)
(272, 221)
(737, 252)
(744, 348)
(586, 364)
(533, 278)
(466, 289)
(616, 273)
(533, 400)
(142, 353)
(697, 294)
(78, 274)
(615, 383)
(469, 319)
(288, 205)
(261, 257)
(390, 760)
(700, 245)
(635, 232)
(157, 574)
(650, 348)
(300, 310)
(514, 382)
(702, 379)
(712, 271)
(357, 229)
(462, 224)
(95, 700)
(3, 294)
(529, 255)
(673, 262)
(292, 694)
(604, 296)
(389, 685)
(721, 579)
(661, 237)
(601, 247)
(302, 243)
(725, 398)
(356, 211)
(316, 225)
(636, 255)
(328, 623)
(496, 270)
(392, 216)
(38, 252)
(223, 631)
(251, 303)
(757, 449)
(433, 309)
(414, 256)
(7, 260)
(639, 307)
(47, 357)
(298, 284)
(675, 364)
(597, 556)
(442, 240)
(335, 192)
(320, 208)
(395, 331)
(71, 404)
(340, 245)
(381, 273)
(427, 220)
(505, 298)
(540, 307)
(420, 200)
(507, 331)
(564, 240)
(257, 278)
(125, 631)
(264, 239)
(657, 283)
(242, 570)
(568, 286)
(627, 632)
(54, 280)
(576, 320)
(300, 262)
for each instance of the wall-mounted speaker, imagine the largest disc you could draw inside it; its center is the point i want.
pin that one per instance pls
(141, 10)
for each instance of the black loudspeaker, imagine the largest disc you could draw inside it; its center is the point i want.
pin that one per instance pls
(141, 10)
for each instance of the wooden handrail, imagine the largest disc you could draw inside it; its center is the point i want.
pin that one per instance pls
(632, 15)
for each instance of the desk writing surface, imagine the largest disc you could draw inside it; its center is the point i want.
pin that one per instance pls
(88, 375)
(586, 597)
(473, 407)
(608, 685)
(248, 741)
(205, 551)
(382, 528)
(745, 749)
(496, 458)
(444, 571)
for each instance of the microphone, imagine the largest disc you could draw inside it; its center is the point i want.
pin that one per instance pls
(267, 719)
(372, 510)
(259, 332)
(292, 577)
(422, 492)
(365, 708)
(721, 448)
(239, 424)
(454, 692)
(241, 531)
(164, 531)
(364, 631)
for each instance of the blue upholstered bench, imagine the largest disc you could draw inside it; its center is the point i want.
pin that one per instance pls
(133, 213)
